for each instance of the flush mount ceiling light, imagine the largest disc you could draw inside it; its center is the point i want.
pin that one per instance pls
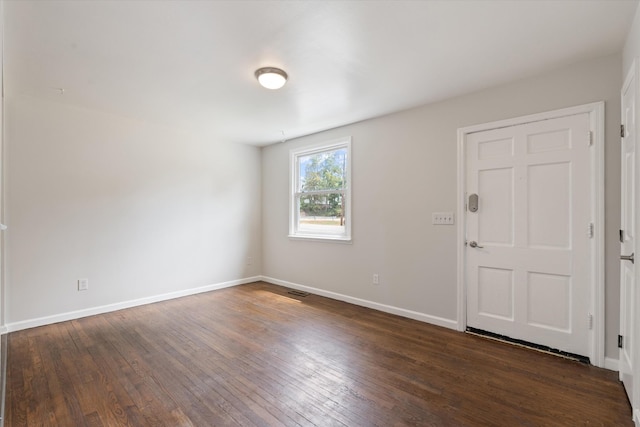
(271, 78)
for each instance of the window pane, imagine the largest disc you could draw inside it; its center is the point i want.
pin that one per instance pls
(323, 171)
(321, 213)
(320, 194)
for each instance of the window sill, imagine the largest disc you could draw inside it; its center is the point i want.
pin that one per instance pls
(326, 239)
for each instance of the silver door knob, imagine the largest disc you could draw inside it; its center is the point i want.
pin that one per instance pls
(627, 258)
(474, 244)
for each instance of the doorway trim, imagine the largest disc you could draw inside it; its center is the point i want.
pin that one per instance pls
(596, 184)
(634, 70)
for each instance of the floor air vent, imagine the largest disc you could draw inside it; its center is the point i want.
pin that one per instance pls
(298, 293)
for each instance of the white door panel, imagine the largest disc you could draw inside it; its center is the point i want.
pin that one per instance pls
(549, 205)
(529, 277)
(627, 235)
(495, 293)
(496, 187)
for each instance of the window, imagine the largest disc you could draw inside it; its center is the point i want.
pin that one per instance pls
(321, 192)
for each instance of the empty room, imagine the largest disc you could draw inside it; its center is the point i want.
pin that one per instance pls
(319, 213)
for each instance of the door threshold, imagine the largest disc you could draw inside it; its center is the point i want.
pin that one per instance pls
(526, 344)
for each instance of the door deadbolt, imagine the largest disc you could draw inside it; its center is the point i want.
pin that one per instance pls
(473, 203)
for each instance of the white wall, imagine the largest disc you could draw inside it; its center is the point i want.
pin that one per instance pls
(140, 210)
(404, 168)
(632, 46)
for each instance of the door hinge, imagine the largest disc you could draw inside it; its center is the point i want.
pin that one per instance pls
(590, 142)
(622, 132)
(590, 230)
(621, 236)
(620, 341)
(590, 321)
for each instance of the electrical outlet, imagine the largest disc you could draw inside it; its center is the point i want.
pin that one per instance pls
(83, 284)
(249, 260)
(376, 279)
(442, 218)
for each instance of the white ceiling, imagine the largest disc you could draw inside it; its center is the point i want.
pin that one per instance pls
(190, 64)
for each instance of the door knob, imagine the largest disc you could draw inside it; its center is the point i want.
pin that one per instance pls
(627, 258)
(474, 244)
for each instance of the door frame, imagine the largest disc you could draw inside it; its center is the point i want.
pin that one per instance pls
(634, 72)
(596, 184)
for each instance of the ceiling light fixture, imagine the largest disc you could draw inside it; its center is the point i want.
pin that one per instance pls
(271, 78)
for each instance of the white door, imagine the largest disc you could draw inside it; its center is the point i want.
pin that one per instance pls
(527, 259)
(627, 233)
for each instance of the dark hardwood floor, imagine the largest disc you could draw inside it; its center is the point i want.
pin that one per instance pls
(254, 355)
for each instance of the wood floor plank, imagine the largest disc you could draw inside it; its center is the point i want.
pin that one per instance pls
(254, 355)
(205, 405)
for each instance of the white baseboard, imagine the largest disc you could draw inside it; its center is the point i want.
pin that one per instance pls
(71, 315)
(427, 318)
(611, 364)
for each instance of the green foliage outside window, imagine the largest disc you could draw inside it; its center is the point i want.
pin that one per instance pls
(321, 172)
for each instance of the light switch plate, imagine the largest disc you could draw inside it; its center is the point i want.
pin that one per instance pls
(442, 218)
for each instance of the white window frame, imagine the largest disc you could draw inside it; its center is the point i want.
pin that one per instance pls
(294, 211)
